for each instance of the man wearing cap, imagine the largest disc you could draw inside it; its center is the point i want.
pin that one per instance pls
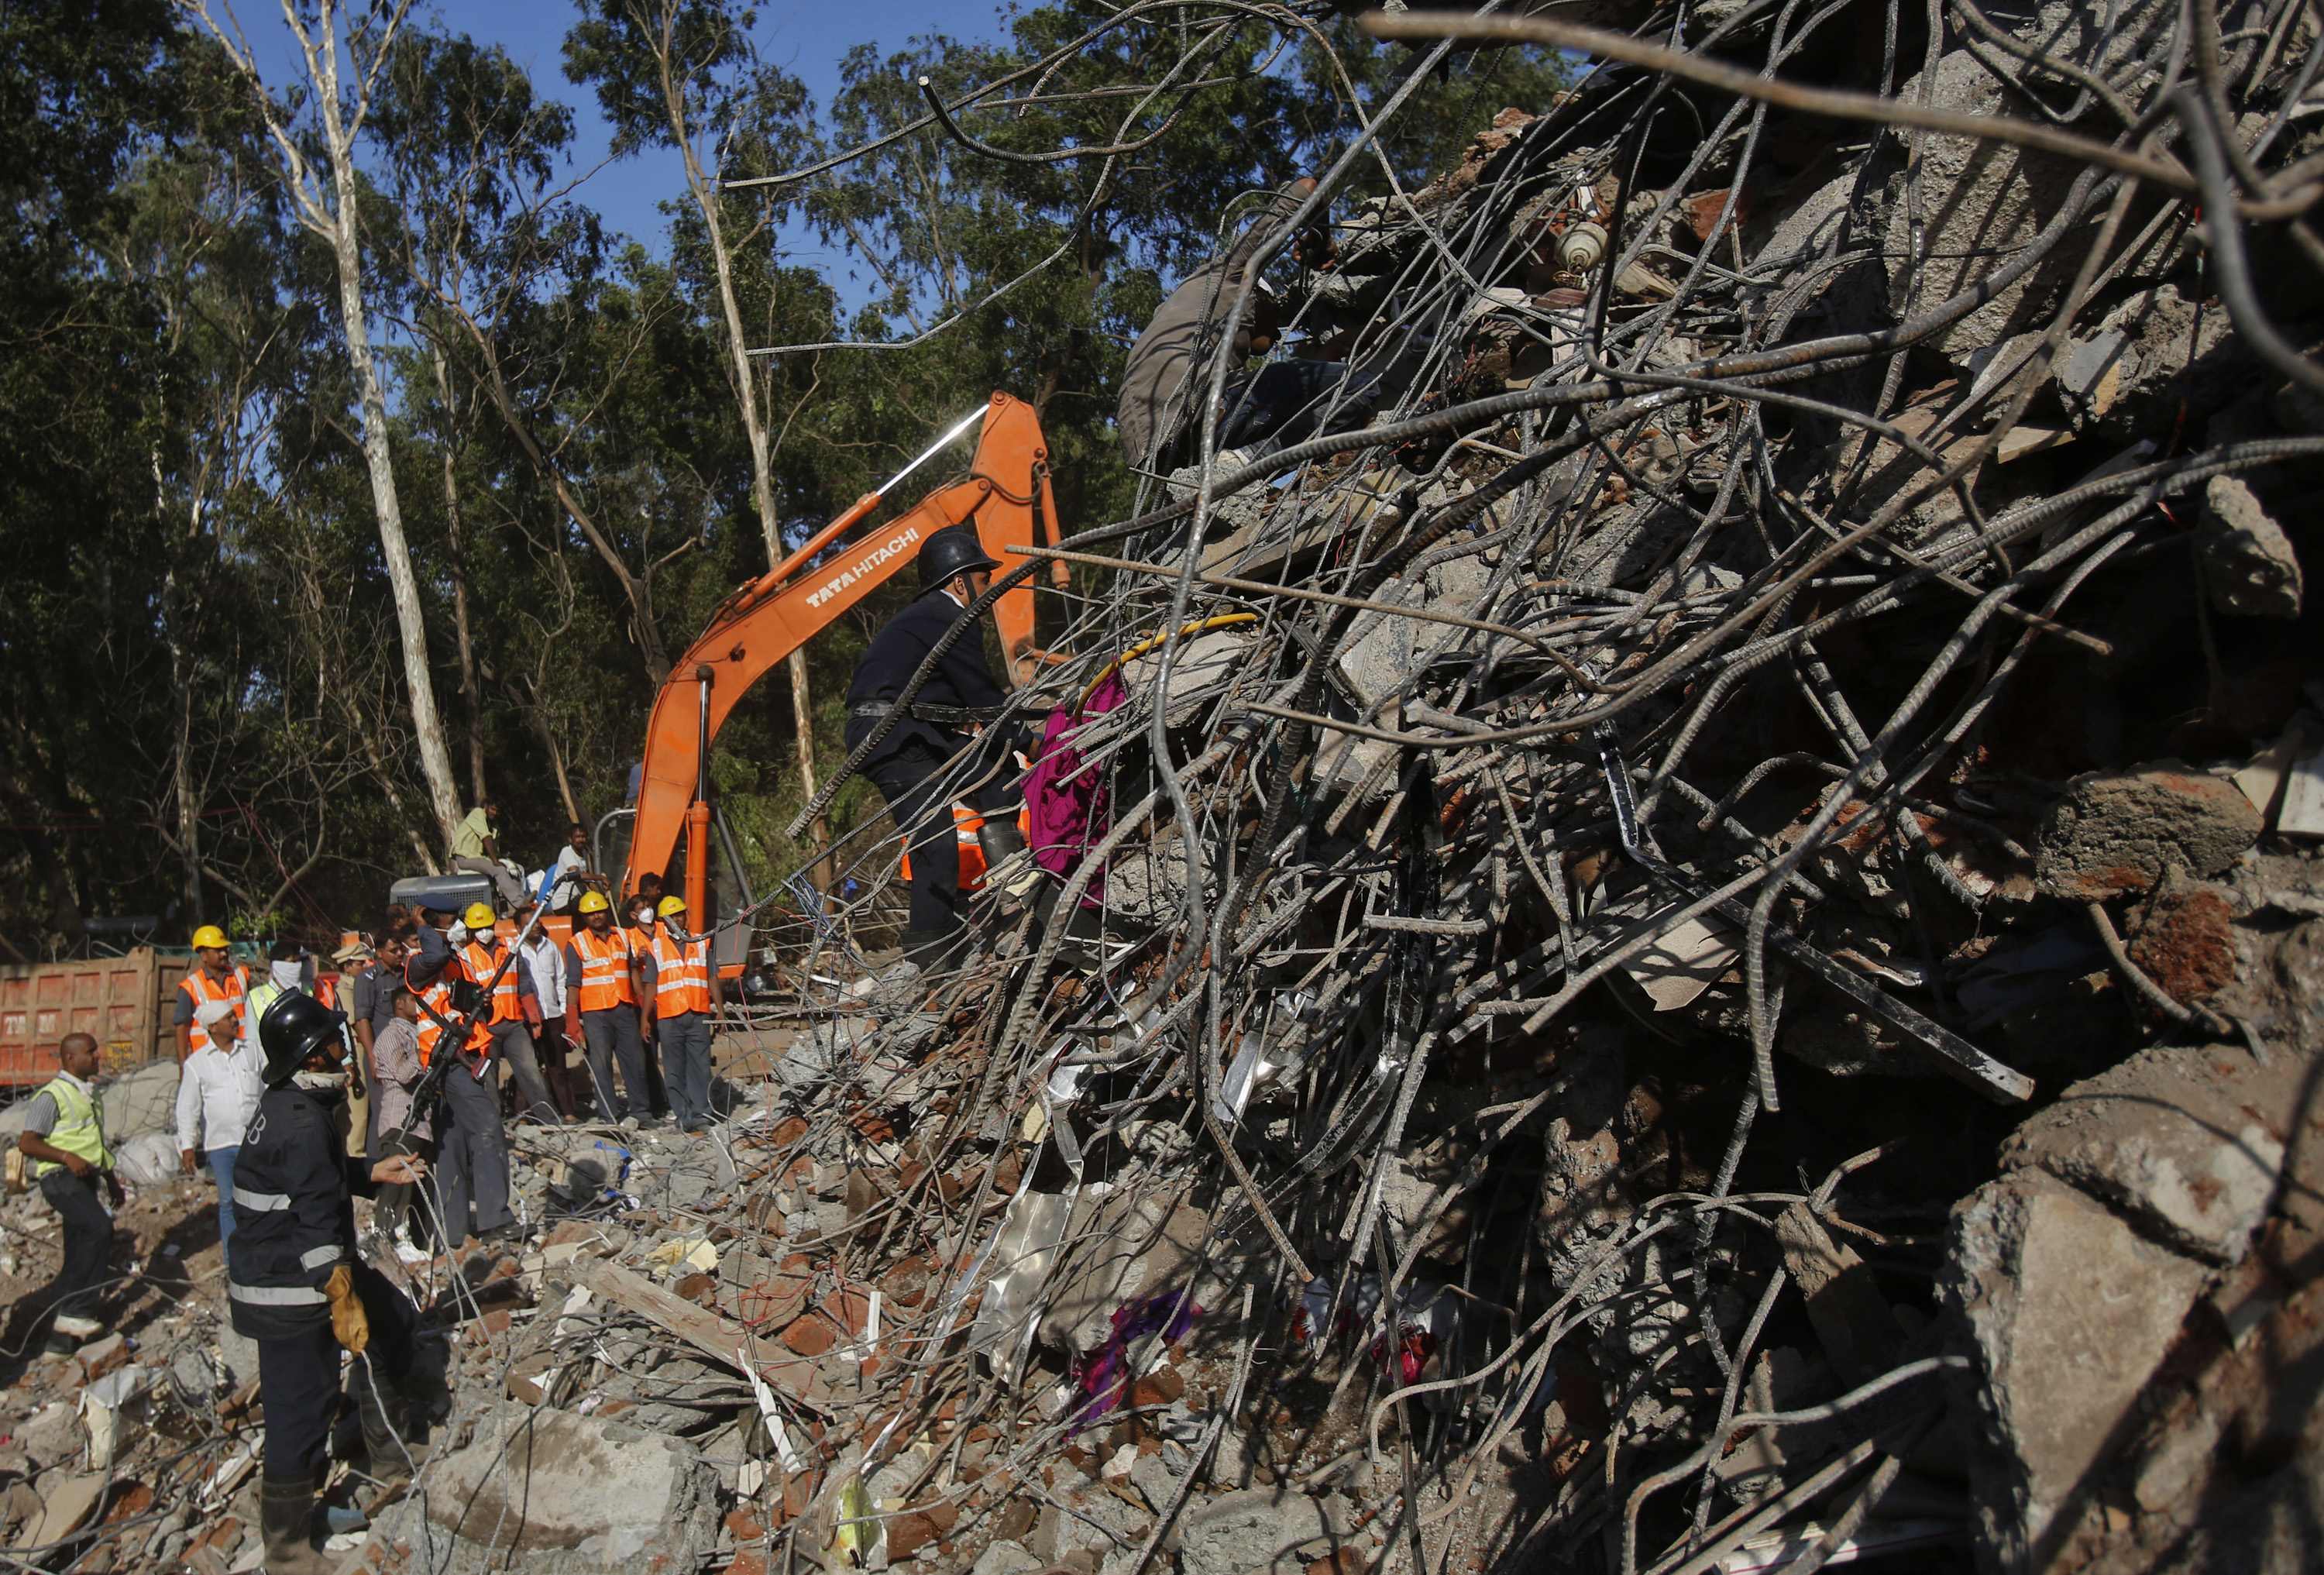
(515, 1012)
(602, 1008)
(909, 768)
(355, 995)
(213, 977)
(63, 1137)
(682, 982)
(296, 1284)
(217, 1090)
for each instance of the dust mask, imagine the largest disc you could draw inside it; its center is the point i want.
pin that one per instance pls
(319, 1082)
(285, 974)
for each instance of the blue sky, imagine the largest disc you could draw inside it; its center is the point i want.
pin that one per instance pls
(805, 40)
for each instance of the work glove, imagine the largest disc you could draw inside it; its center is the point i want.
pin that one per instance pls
(350, 1324)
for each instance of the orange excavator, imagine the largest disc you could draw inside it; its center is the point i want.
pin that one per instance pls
(1006, 491)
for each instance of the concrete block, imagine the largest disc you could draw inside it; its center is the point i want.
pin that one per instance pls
(608, 1493)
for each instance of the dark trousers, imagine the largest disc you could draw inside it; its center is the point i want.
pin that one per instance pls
(609, 1036)
(554, 1069)
(392, 1203)
(686, 1067)
(512, 1044)
(472, 1155)
(88, 1243)
(911, 779)
(299, 1378)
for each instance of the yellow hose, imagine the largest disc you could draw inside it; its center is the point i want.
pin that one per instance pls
(1216, 620)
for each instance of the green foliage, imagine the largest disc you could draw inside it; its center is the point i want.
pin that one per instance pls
(201, 710)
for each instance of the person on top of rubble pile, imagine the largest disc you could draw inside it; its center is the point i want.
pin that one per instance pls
(63, 1138)
(543, 961)
(351, 992)
(638, 924)
(1168, 371)
(908, 766)
(471, 1160)
(395, 1052)
(681, 980)
(476, 848)
(217, 1090)
(373, 1010)
(296, 1284)
(515, 1013)
(212, 978)
(603, 1010)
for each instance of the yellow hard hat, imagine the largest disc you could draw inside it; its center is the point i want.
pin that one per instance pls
(480, 916)
(593, 902)
(209, 937)
(670, 904)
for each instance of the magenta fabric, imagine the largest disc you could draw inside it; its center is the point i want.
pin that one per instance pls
(1067, 806)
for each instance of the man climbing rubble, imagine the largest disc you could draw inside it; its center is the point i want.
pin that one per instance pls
(296, 1285)
(908, 767)
(1283, 402)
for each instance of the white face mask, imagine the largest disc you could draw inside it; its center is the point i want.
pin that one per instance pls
(319, 1082)
(458, 935)
(285, 974)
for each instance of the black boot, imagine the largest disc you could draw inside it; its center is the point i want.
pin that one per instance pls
(286, 1520)
(999, 841)
(390, 1449)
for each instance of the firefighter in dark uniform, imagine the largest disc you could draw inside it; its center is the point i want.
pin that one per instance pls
(295, 1285)
(953, 571)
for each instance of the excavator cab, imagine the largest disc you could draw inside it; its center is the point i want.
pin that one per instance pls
(1006, 493)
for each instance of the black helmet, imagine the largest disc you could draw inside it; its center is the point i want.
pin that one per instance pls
(294, 1026)
(954, 550)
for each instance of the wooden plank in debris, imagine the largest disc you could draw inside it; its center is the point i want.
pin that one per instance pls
(817, 1384)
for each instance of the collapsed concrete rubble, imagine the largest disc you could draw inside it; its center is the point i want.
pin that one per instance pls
(1701, 952)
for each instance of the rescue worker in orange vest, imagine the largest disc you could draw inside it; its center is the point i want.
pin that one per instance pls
(212, 979)
(472, 1165)
(638, 914)
(682, 982)
(515, 1012)
(602, 1008)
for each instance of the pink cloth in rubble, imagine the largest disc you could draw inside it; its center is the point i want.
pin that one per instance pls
(1068, 808)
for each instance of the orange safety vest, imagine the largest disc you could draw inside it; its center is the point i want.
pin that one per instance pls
(437, 999)
(200, 987)
(604, 969)
(327, 990)
(681, 977)
(506, 1005)
(965, 824)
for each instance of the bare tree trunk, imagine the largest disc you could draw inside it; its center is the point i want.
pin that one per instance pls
(556, 752)
(746, 396)
(471, 694)
(428, 727)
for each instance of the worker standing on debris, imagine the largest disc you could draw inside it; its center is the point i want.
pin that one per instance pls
(213, 977)
(1167, 377)
(217, 1090)
(395, 1052)
(296, 1285)
(63, 1137)
(472, 1152)
(682, 982)
(602, 1008)
(515, 1012)
(908, 767)
(357, 996)
(544, 963)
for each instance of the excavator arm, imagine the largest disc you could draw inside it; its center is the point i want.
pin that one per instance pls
(1007, 491)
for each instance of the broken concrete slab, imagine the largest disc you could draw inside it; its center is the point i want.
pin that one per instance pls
(1258, 1529)
(2115, 833)
(2177, 1138)
(2065, 1313)
(605, 1492)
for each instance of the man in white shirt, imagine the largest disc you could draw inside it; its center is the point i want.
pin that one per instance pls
(217, 1090)
(544, 960)
(573, 855)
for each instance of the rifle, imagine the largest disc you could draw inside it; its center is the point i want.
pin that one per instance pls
(431, 1087)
